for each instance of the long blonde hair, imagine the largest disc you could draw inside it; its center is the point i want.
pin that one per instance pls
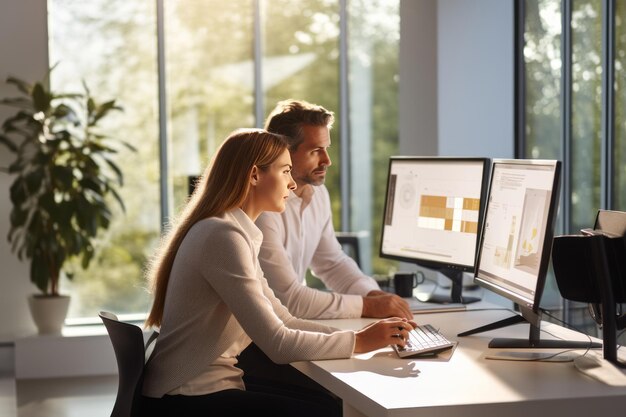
(223, 186)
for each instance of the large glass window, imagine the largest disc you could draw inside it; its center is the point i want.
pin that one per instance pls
(212, 84)
(374, 38)
(110, 44)
(586, 113)
(542, 60)
(569, 124)
(301, 61)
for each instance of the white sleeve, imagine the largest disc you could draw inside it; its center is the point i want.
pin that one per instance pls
(302, 301)
(243, 289)
(331, 264)
(290, 321)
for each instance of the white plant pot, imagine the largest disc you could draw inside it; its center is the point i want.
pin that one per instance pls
(49, 312)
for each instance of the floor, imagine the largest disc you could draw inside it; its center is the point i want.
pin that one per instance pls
(57, 397)
(8, 403)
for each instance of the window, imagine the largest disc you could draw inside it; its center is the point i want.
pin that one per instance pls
(567, 109)
(373, 62)
(110, 45)
(209, 83)
(619, 164)
(542, 60)
(586, 113)
(301, 60)
(226, 65)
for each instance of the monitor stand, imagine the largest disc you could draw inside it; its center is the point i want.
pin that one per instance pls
(533, 341)
(456, 292)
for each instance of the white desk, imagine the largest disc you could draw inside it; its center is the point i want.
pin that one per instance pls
(380, 384)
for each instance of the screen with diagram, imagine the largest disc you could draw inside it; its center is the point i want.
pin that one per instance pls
(433, 210)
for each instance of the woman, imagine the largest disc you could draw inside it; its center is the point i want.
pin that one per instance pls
(211, 299)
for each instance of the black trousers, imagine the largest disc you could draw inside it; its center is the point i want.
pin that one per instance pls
(236, 403)
(262, 374)
(271, 389)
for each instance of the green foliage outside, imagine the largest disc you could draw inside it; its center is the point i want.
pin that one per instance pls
(209, 83)
(544, 117)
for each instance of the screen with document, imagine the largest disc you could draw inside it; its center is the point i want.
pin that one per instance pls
(514, 252)
(516, 243)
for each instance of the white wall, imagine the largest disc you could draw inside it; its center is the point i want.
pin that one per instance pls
(456, 78)
(23, 53)
(418, 78)
(475, 78)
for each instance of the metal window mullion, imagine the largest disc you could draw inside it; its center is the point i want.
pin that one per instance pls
(258, 66)
(566, 124)
(162, 98)
(566, 111)
(608, 101)
(344, 106)
(519, 105)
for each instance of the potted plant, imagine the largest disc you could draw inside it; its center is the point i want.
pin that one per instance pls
(64, 173)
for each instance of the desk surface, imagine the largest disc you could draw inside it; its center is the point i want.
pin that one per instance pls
(381, 384)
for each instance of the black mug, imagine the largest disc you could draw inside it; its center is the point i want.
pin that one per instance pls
(404, 283)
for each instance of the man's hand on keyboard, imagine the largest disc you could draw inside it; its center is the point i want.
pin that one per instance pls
(383, 333)
(384, 304)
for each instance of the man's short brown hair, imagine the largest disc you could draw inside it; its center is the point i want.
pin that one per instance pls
(290, 115)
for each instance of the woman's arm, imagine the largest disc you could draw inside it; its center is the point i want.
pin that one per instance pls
(232, 271)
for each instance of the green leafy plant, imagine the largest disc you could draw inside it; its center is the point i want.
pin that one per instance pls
(64, 171)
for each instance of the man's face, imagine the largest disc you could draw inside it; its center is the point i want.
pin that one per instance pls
(311, 158)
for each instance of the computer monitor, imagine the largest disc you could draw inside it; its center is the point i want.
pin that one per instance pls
(432, 215)
(516, 242)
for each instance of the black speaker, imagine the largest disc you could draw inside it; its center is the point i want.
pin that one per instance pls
(591, 268)
(574, 267)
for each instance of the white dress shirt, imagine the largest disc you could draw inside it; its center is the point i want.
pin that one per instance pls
(303, 237)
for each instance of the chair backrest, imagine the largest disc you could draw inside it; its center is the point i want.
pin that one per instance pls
(350, 242)
(127, 340)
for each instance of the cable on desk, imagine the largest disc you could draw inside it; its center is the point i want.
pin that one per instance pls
(569, 326)
(544, 358)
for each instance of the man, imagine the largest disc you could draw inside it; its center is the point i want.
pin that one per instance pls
(303, 237)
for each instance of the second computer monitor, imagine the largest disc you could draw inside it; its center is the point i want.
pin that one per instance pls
(515, 245)
(433, 212)
(517, 235)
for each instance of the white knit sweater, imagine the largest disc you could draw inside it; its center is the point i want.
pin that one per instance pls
(217, 296)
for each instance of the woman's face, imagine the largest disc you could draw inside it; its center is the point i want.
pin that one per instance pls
(274, 184)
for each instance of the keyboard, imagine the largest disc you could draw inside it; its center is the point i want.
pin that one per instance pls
(423, 340)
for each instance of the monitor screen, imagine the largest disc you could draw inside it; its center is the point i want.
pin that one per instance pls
(433, 210)
(516, 242)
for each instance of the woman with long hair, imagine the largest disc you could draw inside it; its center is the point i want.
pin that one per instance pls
(211, 298)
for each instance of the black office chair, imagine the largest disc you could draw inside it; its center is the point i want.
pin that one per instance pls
(350, 242)
(127, 340)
